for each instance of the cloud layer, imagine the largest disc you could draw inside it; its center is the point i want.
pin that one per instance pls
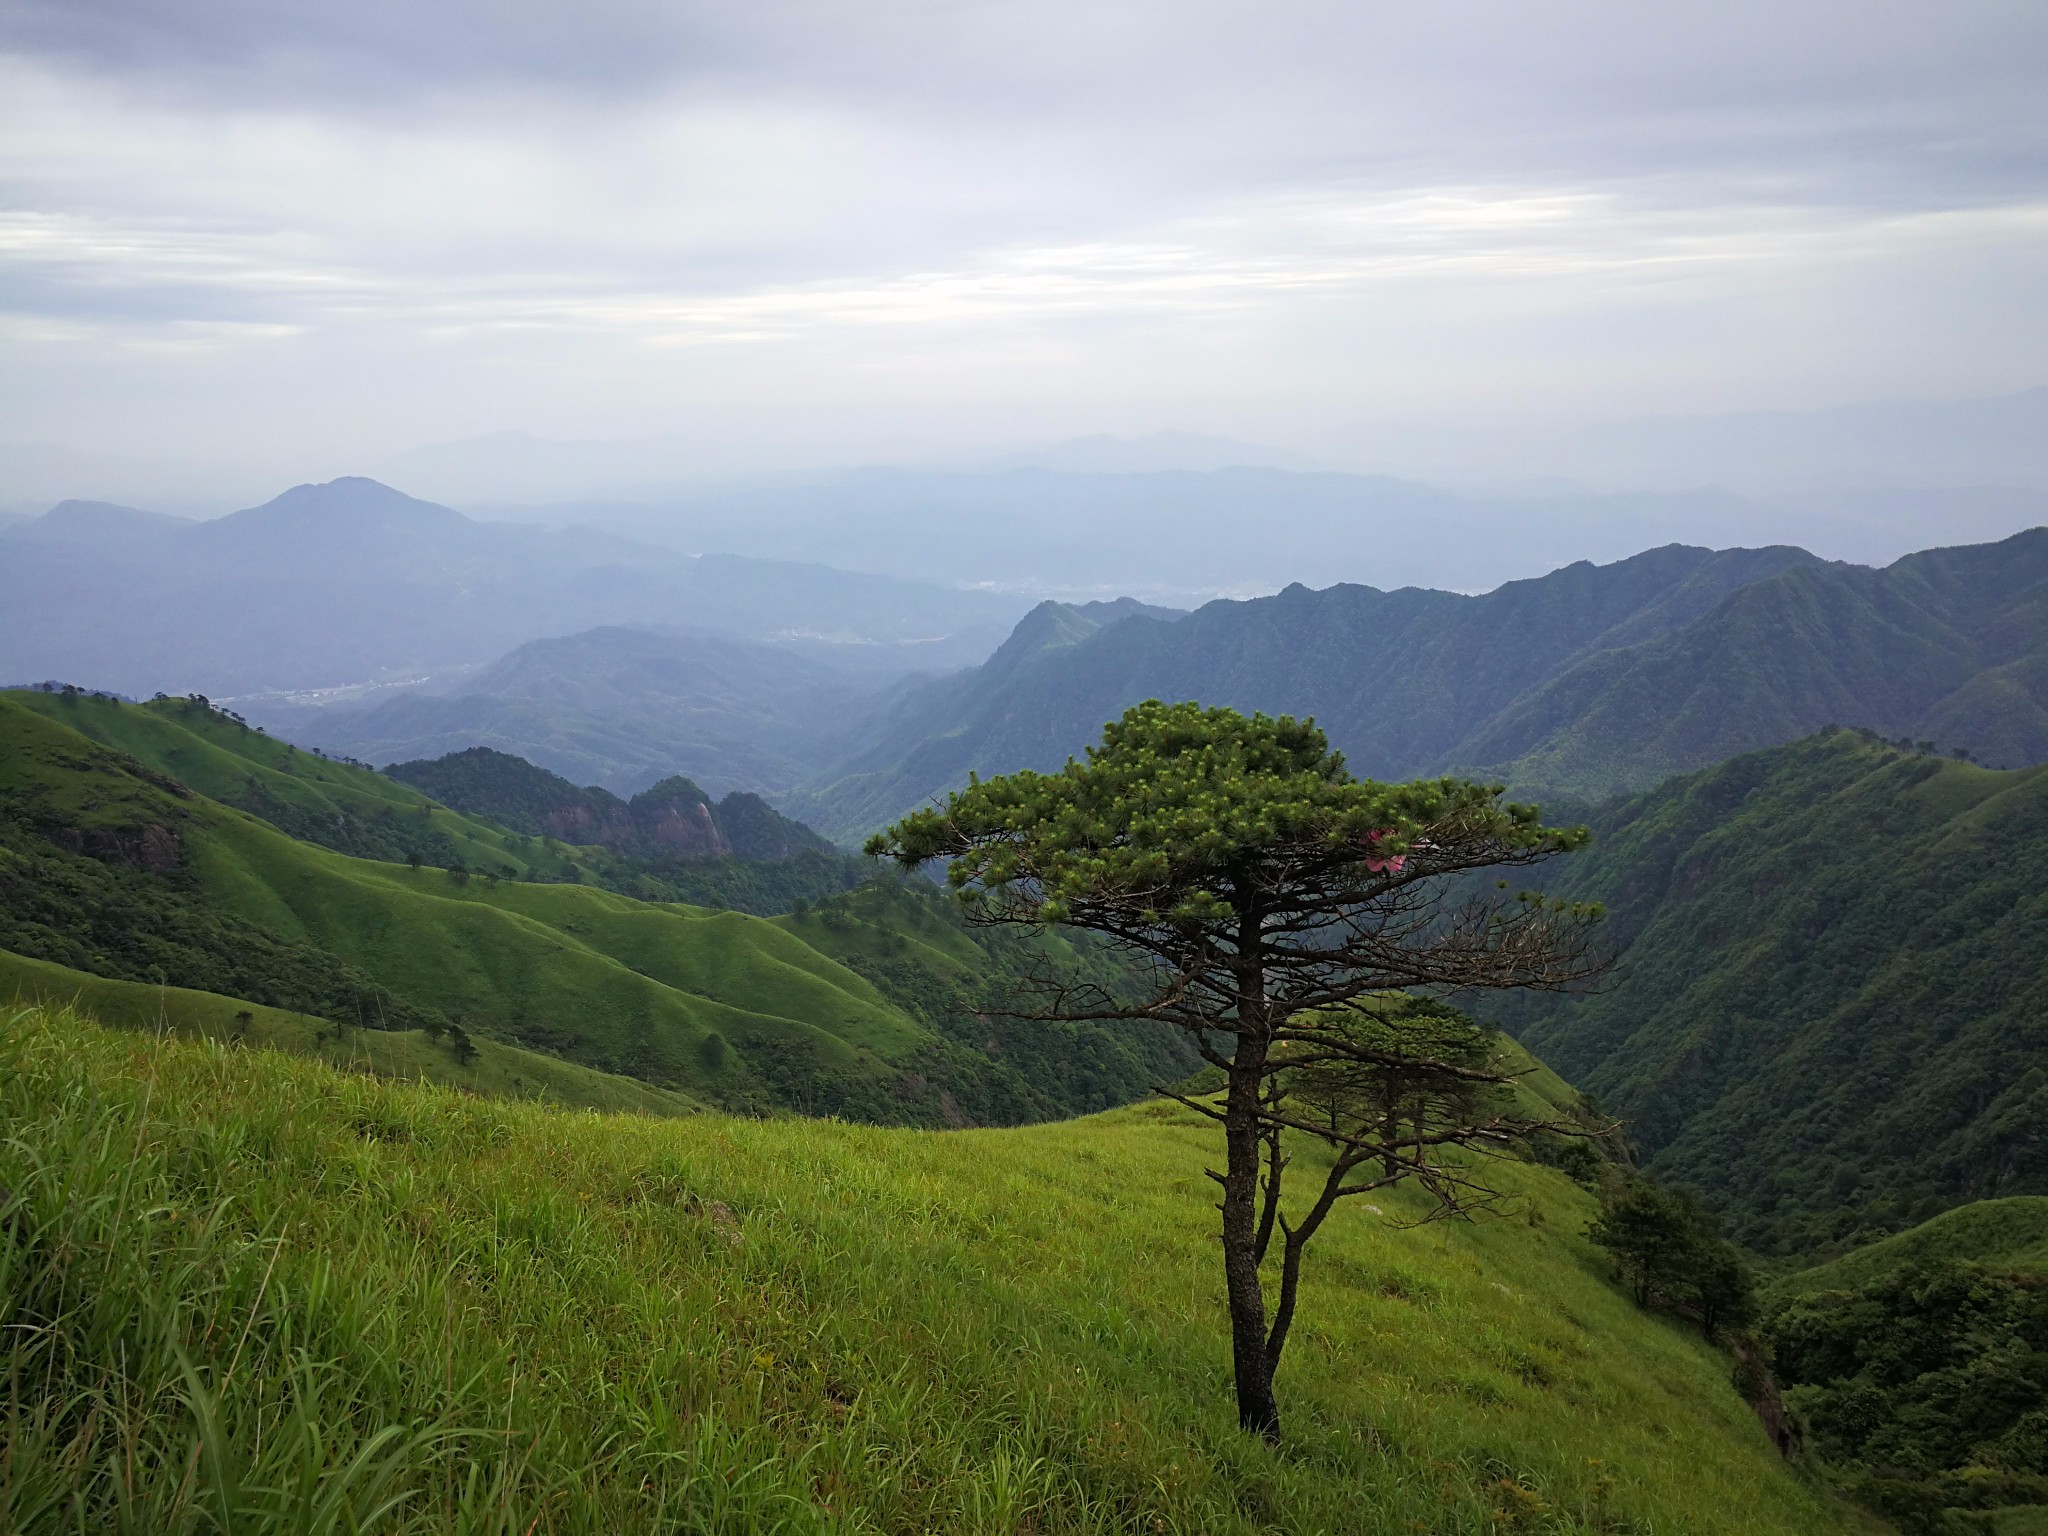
(798, 232)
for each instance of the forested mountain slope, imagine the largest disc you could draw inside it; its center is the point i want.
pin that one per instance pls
(1949, 645)
(673, 819)
(1397, 679)
(1918, 1366)
(117, 869)
(1582, 683)
(1831, 1009)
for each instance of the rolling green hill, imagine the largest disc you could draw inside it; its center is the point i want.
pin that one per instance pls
(114, 868)
(478, 1066)
(1831, 1009)
(2009, 1234)
(337, 805)
(260, 1289)
(485, 817)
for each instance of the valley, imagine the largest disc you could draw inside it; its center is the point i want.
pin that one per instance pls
(596, 892)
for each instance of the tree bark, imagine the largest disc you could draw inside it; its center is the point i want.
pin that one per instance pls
(1276, 1164)
(1257, 1411)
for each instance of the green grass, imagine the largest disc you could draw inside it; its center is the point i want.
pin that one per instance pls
(645, 983)
(733, 1009)
(494, 1070)
(247, 1292)
(336, 804)
(2009, 1234)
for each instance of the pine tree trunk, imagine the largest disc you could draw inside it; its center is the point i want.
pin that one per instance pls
(1257, 1412)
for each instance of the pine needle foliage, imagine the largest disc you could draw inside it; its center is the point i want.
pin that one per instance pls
(1272, 902)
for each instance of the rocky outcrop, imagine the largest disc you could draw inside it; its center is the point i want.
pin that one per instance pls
(673, 819)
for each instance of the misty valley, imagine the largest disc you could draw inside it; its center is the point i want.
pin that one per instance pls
(511, 1026)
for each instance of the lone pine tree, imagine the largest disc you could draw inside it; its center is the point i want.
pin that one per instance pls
(1291, 918)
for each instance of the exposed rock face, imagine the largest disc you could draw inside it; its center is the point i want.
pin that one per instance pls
(678, 821)
(670, 820)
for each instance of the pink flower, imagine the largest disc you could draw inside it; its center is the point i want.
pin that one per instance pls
(1383, 863)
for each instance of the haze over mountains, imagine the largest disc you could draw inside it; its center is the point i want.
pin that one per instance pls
(850, 698)
(351, 582)
(1584, 683)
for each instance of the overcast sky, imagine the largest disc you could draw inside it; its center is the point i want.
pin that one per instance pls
(316, 234)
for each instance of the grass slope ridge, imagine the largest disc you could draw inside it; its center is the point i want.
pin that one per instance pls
(119, 870)
(1831, 1011)
(482, 1066)
(248, 1277)
(2009, 1234)
(341, 806)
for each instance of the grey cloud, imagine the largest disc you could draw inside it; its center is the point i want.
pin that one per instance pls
(418, 220)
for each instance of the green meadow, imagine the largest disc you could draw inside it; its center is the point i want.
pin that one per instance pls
(844, 1010)
(247, 1291)
(486, 1067)
(338, 805)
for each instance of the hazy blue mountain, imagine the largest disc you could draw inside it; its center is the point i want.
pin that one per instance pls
(1100, 519)
(1175, 534)
(1831, 1008)
(351, 581)
(1398, 679)
(620, 708)
(1949, 645)
(104, 526)
(1580, 684)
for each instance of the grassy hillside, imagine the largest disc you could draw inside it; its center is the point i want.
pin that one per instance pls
(450, 820)
(259, 1290)
(1831, 1010)
(116, 869)
(478, 1065)
(337, 805)
(2010, 1234)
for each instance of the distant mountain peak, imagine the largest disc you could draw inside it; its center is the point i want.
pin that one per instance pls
(358, 498)
(97, 522)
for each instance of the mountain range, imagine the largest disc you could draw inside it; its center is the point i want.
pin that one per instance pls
(1591, 681)
(1572, 687)
(352, 583)
(615, 706)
